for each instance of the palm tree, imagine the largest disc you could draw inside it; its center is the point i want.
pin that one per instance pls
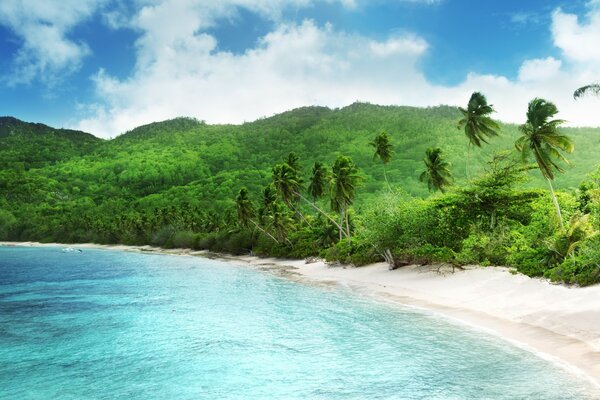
(244, 207)
(383, 151)
(245, 212)
(288, 185)
(436, 174)
(285, 181)
(280, 222)
(542, 139)
(316, 186)
(344, 181)
(476, 122)
(593, 88)
(268, 201)
(294, 162)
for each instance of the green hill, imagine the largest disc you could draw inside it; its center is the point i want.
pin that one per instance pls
(69, 185)
(31, 145)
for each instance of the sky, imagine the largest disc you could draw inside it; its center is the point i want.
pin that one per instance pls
(107, 66)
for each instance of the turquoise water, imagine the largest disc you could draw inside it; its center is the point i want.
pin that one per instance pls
(121, 325)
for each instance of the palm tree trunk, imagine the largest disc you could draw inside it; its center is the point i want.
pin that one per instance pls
(339, 226)
(347, 225)
(265, 232)
(468, 162)
(556, 205)
(386, 179)
(298, 213)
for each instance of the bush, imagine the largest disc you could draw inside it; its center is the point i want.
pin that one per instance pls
(184, 239)
(357, 254)
(582, 269)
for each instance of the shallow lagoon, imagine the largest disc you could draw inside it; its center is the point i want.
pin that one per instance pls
(109, 324)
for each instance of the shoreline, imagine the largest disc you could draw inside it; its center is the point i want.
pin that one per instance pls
(557, 323)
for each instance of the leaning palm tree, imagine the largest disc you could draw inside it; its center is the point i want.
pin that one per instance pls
(245, 212)
(593, 88)
(383, 151)
(476, 122)
(436, 174)
(344, 181)
(542, 139)
(286, 182)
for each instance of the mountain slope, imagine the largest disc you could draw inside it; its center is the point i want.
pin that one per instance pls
(32, 145)
(79, 183)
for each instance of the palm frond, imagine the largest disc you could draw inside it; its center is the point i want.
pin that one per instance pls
(594, 88)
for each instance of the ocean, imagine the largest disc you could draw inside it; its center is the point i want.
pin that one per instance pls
(107, 324)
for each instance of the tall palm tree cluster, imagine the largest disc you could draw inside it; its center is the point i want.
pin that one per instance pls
(541, 141)
(286, 190)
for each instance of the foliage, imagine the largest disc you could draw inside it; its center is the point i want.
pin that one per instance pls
(593, 88)
(174, 184)
(436, 174)
(476, 121)
(542, 139)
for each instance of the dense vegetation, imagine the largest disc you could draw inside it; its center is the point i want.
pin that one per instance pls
(356, 188)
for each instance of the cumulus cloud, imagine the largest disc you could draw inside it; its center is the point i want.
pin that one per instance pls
(180, 69)
(295, 65)
(46, 52)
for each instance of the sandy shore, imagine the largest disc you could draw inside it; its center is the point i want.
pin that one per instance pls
(559, 323)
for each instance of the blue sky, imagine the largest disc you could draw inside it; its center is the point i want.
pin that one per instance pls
(106, 66)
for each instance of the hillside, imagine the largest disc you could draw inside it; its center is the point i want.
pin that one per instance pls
(185, 165)
(37, 145)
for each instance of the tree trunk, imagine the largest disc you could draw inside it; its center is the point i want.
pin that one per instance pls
(468, 162)
(339, 226)
(298, 213)
(386, 179)
(556, 205)
(264, 231)
(347, 225)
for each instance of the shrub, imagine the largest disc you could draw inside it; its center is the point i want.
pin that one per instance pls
(184, 239)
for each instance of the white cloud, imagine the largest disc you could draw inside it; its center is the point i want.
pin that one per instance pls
(580, 42)
(46, 52)
(293, 66)
(181, 71)
(539, 69)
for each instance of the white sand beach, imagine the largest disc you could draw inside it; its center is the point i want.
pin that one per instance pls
(557, 322)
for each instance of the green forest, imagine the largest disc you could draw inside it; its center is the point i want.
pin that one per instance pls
(358, 184)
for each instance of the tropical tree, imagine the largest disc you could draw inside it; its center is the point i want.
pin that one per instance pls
(280, 222)
(344, 180)
(286, 182)
(245, 212)
(269, 197)
(244, 207)
(294, 162)
(593, 88)
(288, 185)
(316, 186)
(476, 122)
(542, 139)
(437, 173)
(383, 151)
